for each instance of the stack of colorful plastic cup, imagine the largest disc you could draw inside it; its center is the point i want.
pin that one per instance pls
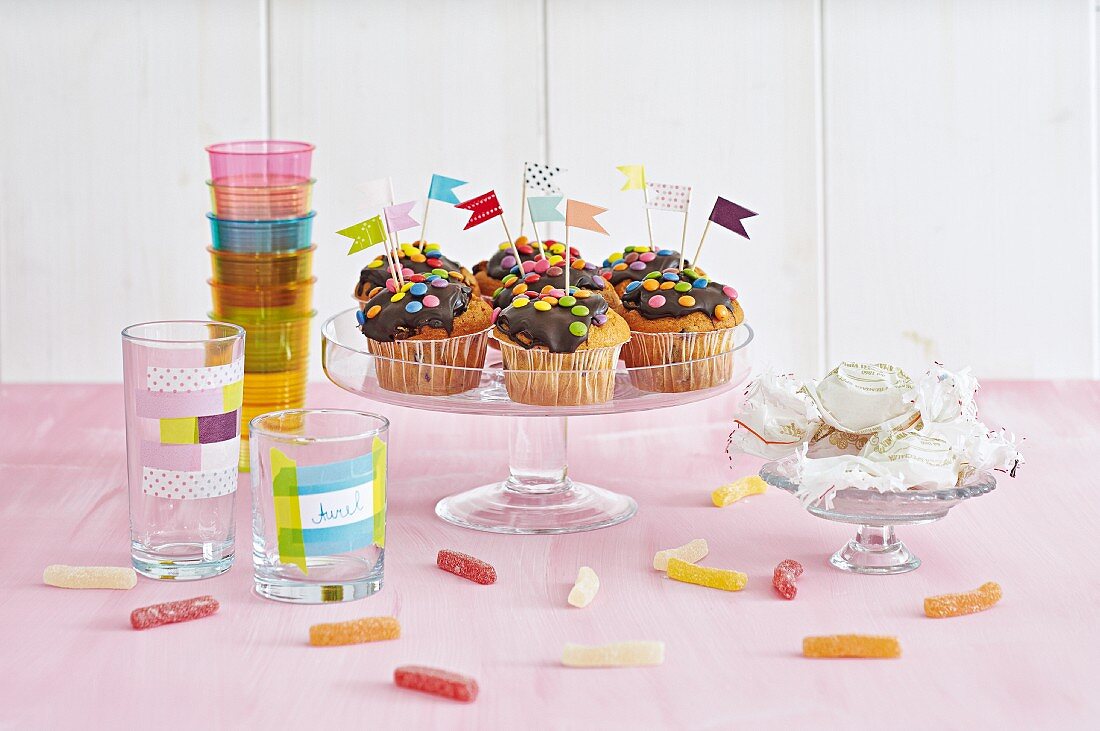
(262, 261)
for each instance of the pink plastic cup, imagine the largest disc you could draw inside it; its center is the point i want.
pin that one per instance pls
(260, 162)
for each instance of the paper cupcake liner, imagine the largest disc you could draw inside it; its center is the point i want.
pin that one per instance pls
(678, 362)
(541, 378)
(430, 367)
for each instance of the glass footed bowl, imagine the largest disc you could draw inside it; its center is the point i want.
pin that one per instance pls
(876, 549)
(538, 495)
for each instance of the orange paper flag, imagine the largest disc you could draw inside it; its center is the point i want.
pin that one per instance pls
(583, 215)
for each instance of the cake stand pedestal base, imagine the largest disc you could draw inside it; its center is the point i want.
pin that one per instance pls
(538, 497)
(875, 550)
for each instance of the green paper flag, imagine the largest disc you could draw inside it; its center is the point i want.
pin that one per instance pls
(365, 234)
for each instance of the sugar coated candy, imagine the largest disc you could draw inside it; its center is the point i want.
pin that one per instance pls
(616, 655)
(465, 566)
(870, 646)
(690, 552)
(704, 576)
(784, 577)
(585, 588)
(734, 491)
(355, 632)
(437, 682)
(172, 612)
(90, 577)
(956, 605)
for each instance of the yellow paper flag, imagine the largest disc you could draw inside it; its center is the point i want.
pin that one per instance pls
(635, 176)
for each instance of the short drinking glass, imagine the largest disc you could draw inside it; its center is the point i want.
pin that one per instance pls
(183, 385)
(318, 504)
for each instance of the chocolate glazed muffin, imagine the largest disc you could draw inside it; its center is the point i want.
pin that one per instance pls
(682, 331)
(431, 334)
(490, 274)
(560, 349)
(541, 275)
(412, 261)
(635, 263)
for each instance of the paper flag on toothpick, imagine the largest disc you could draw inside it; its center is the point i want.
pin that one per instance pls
(583, 215)
(541, 177)
(635, 176)
(365, 234)
(544, 208)
(377, 193)
(442, 188)
(398, 216)
(669, 197)
(728, 214)
(483, 208)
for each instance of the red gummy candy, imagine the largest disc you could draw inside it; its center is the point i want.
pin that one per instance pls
(437, 682)
(465, 566)
(171, 612)
(784, 577)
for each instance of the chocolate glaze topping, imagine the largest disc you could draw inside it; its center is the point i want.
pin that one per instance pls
(554, 277)
(402, 319)
(556, 328)
(376, 276)
(699, 295)
(632, 269)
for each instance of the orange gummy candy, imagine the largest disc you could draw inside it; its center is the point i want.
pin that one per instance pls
(368, 629)
(704, 576)
(851, 646)
(956, 605)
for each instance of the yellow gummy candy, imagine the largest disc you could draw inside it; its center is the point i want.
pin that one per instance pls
(585, 588)
(956, 605)
(704, 576)
(90, 577)
(357, 631)
(616, 655)
(734, 491)
(869, 646)
(690, 552)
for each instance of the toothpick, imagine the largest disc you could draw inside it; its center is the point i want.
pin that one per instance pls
(648, 221)
(523, 201)
(567, 267)
(399, 277)
(684, 233)
(535, 229)
(699, 249)
(424, 224)
(519, 261)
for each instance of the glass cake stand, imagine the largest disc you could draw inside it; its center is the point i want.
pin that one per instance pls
(876, 549)
(538, 496)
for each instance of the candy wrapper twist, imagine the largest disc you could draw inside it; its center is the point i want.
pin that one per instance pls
(870, 426)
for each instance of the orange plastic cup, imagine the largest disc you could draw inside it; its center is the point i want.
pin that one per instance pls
(261, 270)
(262, 304)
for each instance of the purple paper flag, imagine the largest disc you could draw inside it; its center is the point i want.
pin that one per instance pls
(728, 214)
(398, 216)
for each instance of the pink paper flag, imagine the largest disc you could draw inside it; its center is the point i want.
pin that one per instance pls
(669, 197)
(398, 218)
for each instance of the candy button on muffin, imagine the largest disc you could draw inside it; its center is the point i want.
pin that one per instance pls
(560, 349)
(490, 274)
(635, 263)
(413, 261)
(682, 331)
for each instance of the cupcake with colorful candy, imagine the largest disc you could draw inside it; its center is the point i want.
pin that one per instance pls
(635, 263)
(413, 261)
(682, 331)
(490, 274)
(559, 349)
(430, 334)
(541, 275)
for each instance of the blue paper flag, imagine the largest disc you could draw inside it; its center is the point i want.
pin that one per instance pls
(545, 208)
(442, 189)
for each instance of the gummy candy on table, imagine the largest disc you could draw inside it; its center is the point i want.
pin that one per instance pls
(783, 579)
(585, 588)
(738, 489)
(437, 682)
(90, 577)
(616, 655)
(466, 566)
(957, 605)
(863, 646)
(690, 552)
(354, 632)
(172, 612)
(724, 579)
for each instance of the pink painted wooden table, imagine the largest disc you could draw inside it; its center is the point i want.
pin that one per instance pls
(69, 658)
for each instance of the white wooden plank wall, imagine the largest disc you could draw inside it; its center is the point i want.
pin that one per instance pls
(924, 172)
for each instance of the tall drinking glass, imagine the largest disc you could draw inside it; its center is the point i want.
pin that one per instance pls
(184, 383)
(318, 504)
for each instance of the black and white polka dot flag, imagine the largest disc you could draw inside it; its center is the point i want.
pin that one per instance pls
(541, 177)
